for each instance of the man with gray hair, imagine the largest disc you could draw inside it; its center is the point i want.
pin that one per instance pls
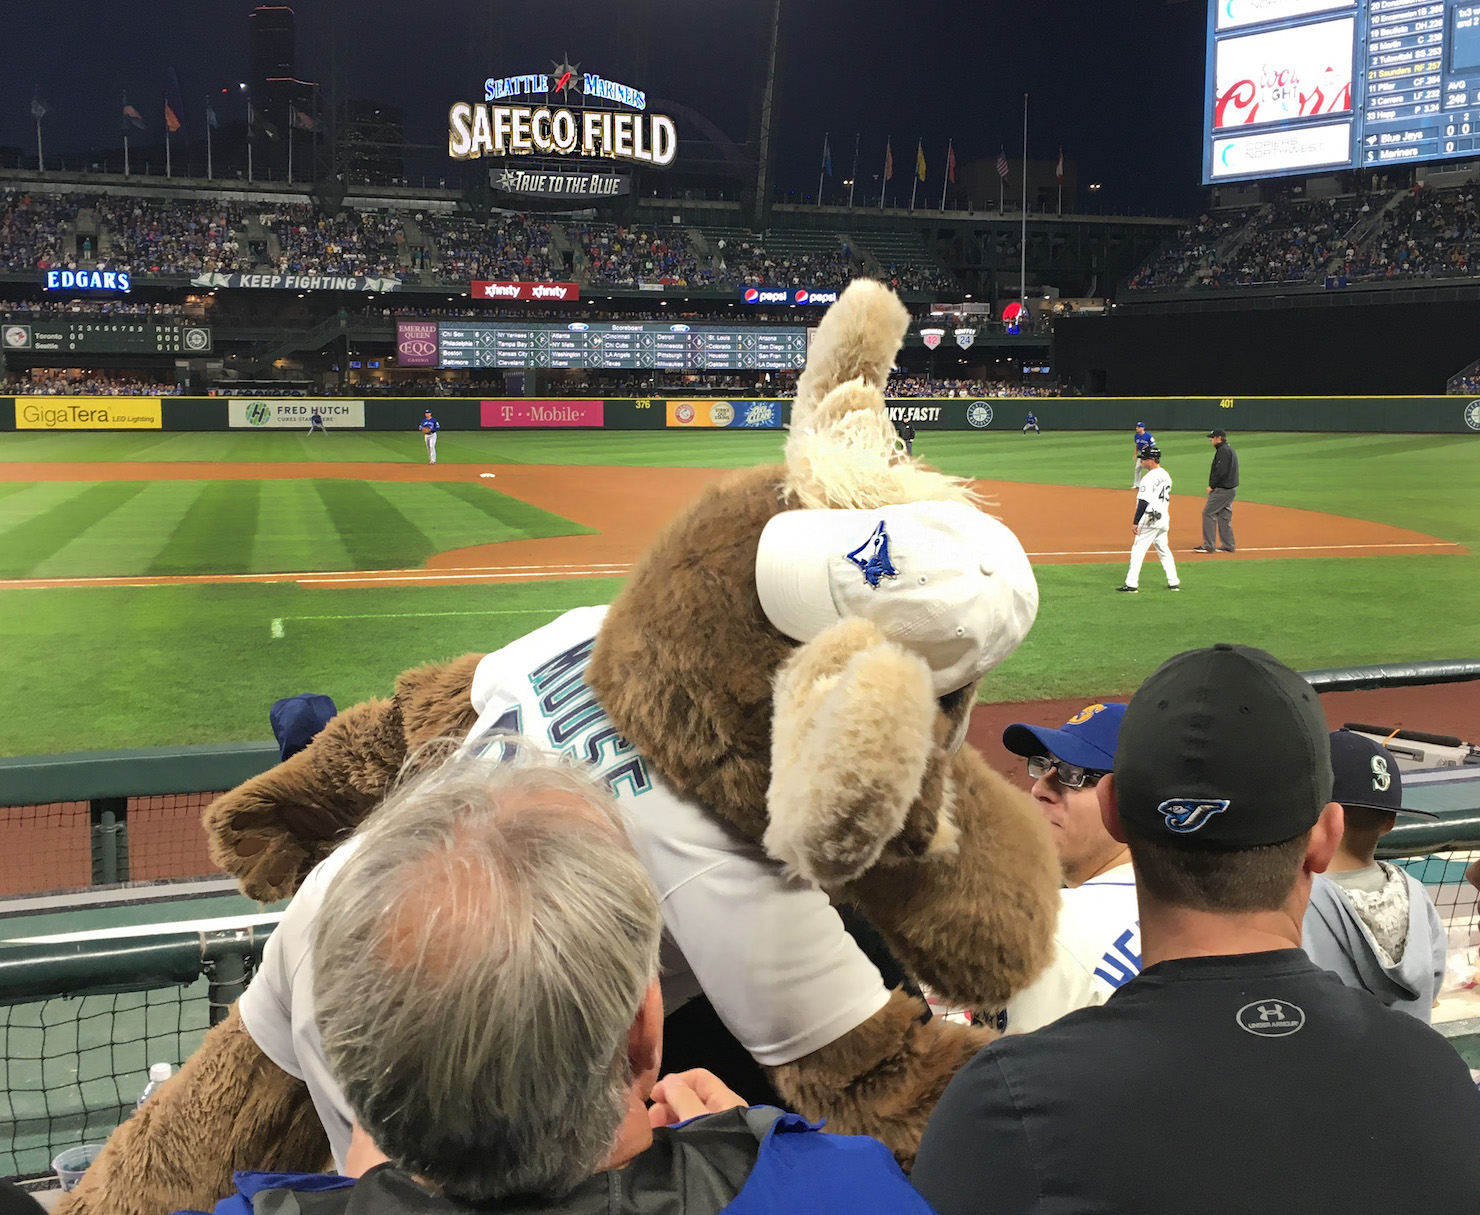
(485, 985)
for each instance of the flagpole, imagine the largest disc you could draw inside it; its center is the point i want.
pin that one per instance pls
(209, 166)
(1023, 243)
(946, 177)
(1061, 181)
(40, 154)
(853, 176)
(884, 181)
(915, 177)
(823, 169)
(290, 143)
(167, 172)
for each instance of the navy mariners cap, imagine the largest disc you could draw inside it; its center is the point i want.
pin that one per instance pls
(1366, 774)
(297, 720)
(1217, 434)
(1223, 748)
(1086, 740)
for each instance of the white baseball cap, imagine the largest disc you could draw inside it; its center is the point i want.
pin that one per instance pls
(939, 578)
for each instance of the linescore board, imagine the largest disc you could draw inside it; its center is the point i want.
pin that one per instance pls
(1303, 86)
(638, 347)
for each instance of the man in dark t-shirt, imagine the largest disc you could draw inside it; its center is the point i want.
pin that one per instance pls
(1232, 1075)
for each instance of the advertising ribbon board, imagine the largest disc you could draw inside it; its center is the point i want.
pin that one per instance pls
(515, 413)
(297, 282)
(484, 289)
(730, 415)
(416, 343)
(248, 413)
(88, 413)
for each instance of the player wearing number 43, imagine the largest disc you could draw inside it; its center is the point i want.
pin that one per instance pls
(1153, 519)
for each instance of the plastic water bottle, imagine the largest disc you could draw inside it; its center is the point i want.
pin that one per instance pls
(158, 1074)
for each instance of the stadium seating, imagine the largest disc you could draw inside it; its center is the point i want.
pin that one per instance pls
(1417, 233)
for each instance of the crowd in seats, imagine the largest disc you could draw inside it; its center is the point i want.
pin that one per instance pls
(178, 236)
(1429, 234)
(749, 263)
(1464, 385)
(1185, 252)
(621, 256)
(32, 228)
(925, 386)
(918, 276)
(89, 309)
(1290, 241)
(364, 243)
(511, 248)
(84, 384)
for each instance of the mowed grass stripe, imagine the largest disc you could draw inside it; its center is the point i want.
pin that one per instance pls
(128, 540)
(375, 533)
(516, 520)
(215, 536)
(295, 531)
(26, 545)
(13, 487)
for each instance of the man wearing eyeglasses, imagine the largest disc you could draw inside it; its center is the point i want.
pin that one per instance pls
(1097, 947)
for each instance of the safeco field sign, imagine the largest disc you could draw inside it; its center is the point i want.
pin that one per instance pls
(88, 413)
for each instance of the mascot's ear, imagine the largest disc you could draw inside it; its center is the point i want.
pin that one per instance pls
(842, 453)
(858, 339)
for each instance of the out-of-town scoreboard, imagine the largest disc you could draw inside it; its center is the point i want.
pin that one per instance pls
(637, 346)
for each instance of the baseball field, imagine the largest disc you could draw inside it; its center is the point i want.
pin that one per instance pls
(166, 588)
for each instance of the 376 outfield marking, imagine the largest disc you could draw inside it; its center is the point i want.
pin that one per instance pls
(278, 629)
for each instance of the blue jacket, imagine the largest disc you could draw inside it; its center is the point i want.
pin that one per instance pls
(742, 1162)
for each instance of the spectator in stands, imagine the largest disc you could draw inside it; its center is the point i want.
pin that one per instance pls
(485, 975)
(1264, 1083)
(1370, 923)
(1097, 946)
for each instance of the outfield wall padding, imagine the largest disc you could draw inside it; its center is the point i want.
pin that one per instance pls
(1390, 415)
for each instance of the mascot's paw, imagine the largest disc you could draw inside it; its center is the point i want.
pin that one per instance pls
(854, 746)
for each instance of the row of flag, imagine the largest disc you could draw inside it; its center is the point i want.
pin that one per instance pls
(920, 168)
(134, 121)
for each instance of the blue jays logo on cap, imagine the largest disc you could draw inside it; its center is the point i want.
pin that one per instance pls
(872, 557)
(1185, 815)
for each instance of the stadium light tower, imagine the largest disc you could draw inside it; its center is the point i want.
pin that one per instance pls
(765, 151)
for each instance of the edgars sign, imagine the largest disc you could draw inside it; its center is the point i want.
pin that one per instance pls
(87, 280)
(572, 114)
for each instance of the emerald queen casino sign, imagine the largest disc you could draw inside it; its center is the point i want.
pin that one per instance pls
(569, 113)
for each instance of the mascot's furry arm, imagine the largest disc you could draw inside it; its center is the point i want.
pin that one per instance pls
(228, 1109)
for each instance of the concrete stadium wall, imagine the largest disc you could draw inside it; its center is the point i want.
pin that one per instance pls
(1396, 415)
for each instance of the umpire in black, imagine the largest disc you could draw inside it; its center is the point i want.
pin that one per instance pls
(1222, 484)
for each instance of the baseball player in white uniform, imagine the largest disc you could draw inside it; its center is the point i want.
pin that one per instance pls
(1097, 945)
(1152, 521)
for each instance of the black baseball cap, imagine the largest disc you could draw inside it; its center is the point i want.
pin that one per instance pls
(1151, 453)
(1366, 774)
(1223, 748)
(1217, 434)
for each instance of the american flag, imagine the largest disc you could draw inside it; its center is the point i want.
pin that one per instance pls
(1002, 165)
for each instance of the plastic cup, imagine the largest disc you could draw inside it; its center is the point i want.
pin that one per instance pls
(71, 1164)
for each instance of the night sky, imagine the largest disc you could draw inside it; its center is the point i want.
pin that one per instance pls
(1118, 85)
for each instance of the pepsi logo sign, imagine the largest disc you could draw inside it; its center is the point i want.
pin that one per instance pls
(801, 297)
(752, 296)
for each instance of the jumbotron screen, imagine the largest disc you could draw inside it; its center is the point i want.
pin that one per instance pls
(1306, 86)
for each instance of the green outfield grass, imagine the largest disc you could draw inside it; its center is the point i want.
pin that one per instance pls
(72, 529)
(88, 668)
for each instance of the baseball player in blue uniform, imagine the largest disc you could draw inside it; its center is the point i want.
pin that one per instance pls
(1144, 439)
(1031, 423)
(316, 422)
(429, 428)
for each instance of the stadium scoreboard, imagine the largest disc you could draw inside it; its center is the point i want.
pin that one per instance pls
(1302, 86)
(638, 347)
(104, 337)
